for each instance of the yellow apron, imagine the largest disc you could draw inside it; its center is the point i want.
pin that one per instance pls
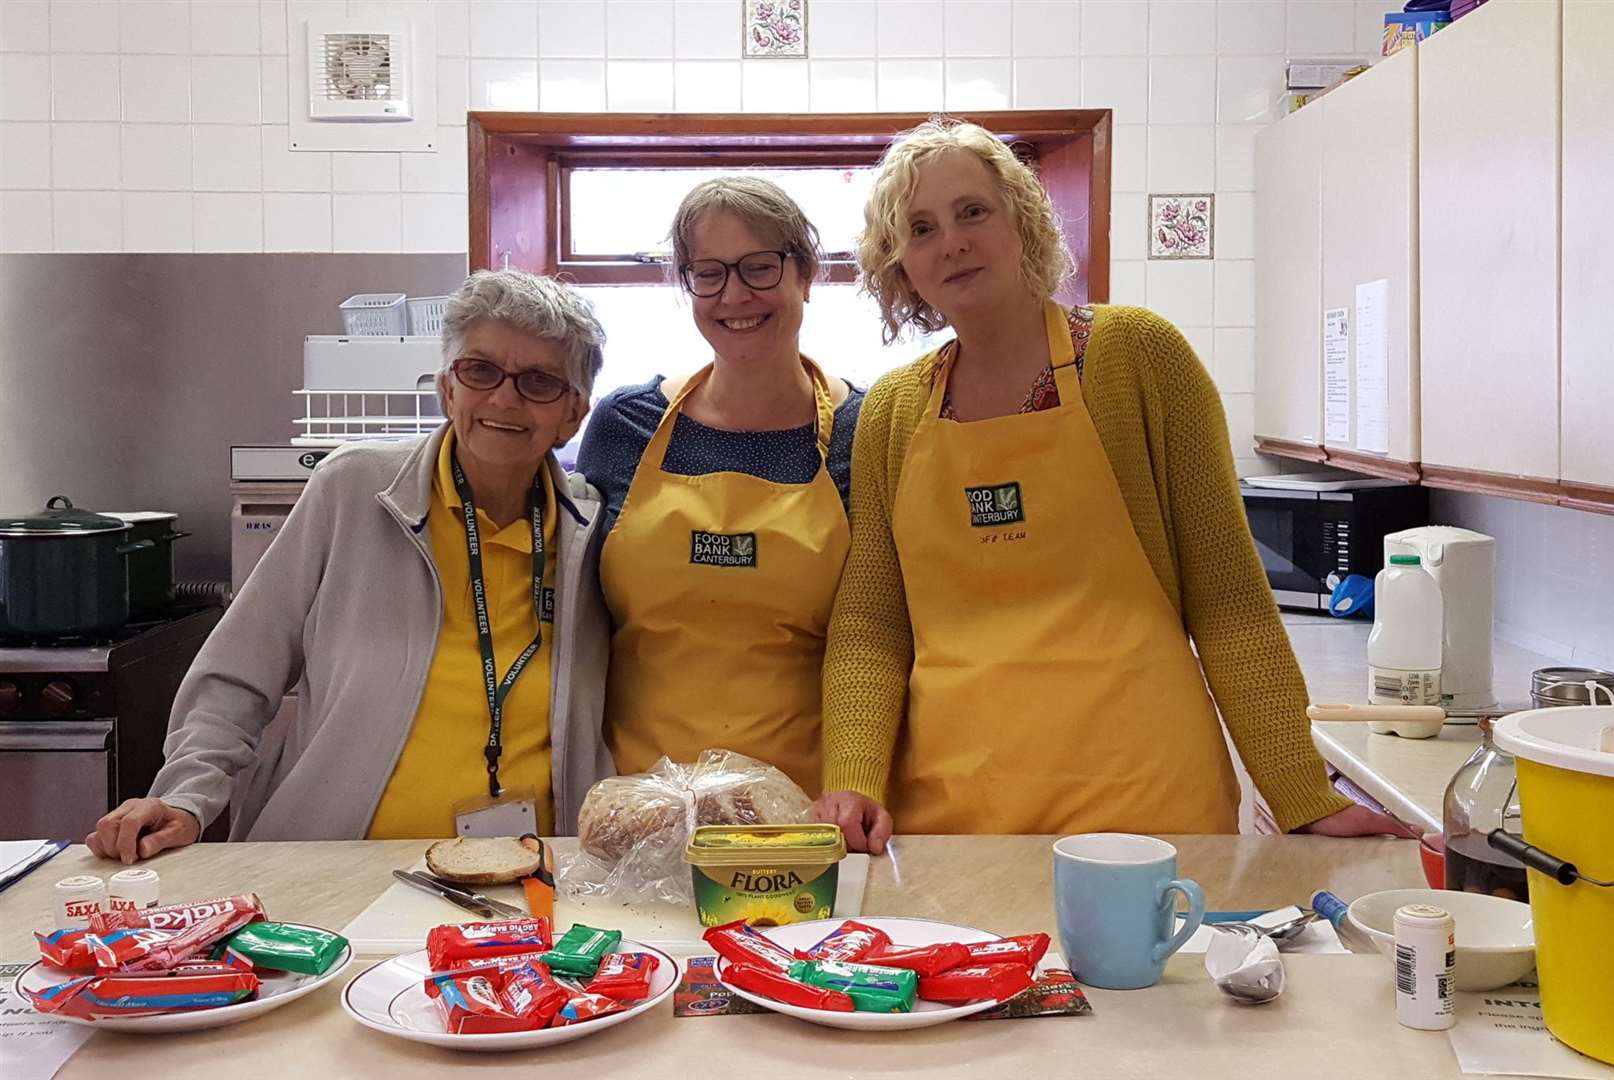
(1053, 688)
(720, 589)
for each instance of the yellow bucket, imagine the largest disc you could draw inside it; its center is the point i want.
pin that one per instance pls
(1566, 793)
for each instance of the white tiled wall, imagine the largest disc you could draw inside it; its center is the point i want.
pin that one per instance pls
(160, 125)
(1554, 574)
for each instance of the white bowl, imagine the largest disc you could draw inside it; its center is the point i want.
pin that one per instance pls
(1496, 939)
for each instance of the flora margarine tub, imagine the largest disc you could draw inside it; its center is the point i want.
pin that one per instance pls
(768, 875)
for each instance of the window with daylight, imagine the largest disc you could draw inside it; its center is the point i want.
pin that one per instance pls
(591, 197)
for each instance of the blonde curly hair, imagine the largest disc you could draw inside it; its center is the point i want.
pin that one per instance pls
(1045, 263)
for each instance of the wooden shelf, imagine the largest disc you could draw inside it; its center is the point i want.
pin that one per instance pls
(1565, 493)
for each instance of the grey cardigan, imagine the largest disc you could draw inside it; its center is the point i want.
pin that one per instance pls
(346, 605)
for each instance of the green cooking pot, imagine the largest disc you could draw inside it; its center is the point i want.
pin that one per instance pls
(64, 573)
(151, 572)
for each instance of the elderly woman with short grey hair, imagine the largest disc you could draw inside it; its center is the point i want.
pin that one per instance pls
(725, 502)
(434, 602)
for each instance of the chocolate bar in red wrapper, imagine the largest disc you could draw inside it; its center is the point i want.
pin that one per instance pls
(153, 949)
(449, 945)
(472, 1005)
(849, 943)
(97, 996)
(70, 950)
(777, 986)
(1055, 993)
(741, 944)
(178, 916)
(531, 992)
(507, 962)
(586, 1006)
(1026, 949)
(624, 976)
(966, 984)
(923, 959)
(115, 948)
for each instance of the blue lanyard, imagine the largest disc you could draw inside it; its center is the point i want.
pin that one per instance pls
(498, 691)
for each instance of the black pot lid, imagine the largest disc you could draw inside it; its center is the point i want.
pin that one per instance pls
(60, 518)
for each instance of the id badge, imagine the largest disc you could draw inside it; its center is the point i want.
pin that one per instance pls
(512, 813)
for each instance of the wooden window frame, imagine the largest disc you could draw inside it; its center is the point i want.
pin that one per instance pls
(519, 163)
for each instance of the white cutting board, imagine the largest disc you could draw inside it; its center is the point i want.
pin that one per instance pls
(397, 920)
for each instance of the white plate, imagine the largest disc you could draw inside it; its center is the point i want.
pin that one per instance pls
(904, 932)
(276, 988)
(390, 997)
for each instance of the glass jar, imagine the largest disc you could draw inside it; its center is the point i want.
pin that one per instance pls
(1483, 795)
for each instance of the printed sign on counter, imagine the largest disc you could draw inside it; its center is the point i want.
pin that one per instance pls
(32, 1047)
(1502, 1032)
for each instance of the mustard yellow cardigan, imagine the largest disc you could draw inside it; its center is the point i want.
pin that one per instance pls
(1160, 420)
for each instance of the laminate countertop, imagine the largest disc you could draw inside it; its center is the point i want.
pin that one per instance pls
(1335, 1019)
(1407, 776)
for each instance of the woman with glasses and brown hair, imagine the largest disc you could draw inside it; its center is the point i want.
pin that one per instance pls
(725, 498)
(436, 604)
(1052, 590)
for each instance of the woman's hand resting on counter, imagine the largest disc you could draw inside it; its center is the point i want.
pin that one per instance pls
(140, 828)
(866, 824)
(1357, 821)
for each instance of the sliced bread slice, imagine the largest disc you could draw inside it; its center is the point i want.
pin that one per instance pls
(481, 861)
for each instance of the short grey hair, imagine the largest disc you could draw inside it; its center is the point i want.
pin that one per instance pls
(766, 211)
(542, 306)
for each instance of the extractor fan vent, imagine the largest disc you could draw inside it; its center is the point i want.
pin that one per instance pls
(358, 71)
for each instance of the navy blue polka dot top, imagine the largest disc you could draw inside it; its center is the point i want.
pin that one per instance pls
(626, 418)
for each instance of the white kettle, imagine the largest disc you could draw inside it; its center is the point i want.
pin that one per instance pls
(1463, 563)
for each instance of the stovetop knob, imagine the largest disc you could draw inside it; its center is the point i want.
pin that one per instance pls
(10, 697)
(58, 696)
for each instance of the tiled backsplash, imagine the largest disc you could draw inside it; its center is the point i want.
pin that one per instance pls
(161, 125)
(1554, 573)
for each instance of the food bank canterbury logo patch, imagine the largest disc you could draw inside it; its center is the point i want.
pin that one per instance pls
(722, 549)
(995, 504)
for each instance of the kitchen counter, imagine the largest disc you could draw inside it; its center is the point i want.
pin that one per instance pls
(1407, 776)
(1335, 1019)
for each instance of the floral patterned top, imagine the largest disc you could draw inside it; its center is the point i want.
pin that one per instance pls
(1044, 392)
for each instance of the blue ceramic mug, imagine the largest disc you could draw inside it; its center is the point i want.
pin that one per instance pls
(1114, 903)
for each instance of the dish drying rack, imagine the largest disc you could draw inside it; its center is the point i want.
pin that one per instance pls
(364, 388)
(336, 416)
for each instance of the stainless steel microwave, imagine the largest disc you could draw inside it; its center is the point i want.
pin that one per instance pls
(1312, 530)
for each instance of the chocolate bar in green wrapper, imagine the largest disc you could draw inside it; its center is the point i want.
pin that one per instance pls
(284, 947)
(872, 989)
(579, 950)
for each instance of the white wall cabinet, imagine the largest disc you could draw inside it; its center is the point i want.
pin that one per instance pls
(1370, 229)
(1587, 439)
(1288, 279)
(1488, 158)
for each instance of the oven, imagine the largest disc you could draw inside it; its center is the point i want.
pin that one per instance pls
(82, 723)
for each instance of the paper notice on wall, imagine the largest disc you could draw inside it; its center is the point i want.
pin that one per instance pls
(1336, 377)
(1373, 367)
(1501, 1032)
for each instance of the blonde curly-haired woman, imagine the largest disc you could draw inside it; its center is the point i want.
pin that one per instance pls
(1049, 557)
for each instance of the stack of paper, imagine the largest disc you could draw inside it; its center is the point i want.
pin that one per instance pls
(18, 857)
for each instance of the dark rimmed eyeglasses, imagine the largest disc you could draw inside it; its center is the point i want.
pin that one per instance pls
(538, 387)
(760, 270)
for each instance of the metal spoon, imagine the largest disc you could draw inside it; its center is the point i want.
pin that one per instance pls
(1246, 991)
(1281, 932)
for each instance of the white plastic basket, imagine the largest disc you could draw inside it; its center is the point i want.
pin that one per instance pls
(374, 315)
(426, 315)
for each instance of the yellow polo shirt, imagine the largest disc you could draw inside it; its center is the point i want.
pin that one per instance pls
(442, 762)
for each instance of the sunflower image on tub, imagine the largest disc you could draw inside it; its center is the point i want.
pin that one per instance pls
(768, 875)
